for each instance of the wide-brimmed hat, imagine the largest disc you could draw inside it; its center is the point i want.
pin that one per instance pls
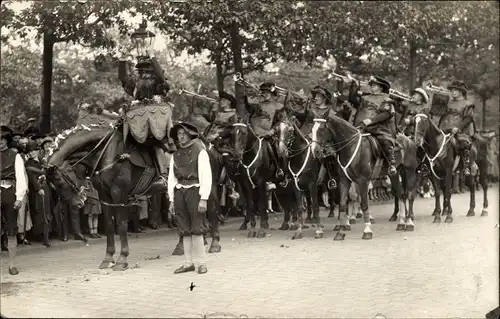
(144, 63)
(6, 132)
(189, 128)
(323, 91)
(422, 93)
(386, 85)
(459, 85)
(31, 146)
(268, 87)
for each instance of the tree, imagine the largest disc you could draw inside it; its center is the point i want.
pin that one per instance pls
(75, 22)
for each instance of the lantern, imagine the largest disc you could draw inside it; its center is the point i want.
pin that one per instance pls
(142, 39)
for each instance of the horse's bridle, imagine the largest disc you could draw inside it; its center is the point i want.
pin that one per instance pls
(79, 191)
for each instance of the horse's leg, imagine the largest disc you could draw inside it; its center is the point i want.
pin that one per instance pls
(286, 220)
(410, 188)
(262, 205)
(394, 216)
(213, 218)
(300, 214)
(313, 203)
(363, 192)
(437, 199)
(310, 218)
(249, 199)
(397, 190)
(483, 180)
(108, 260)
(447, 184)
(122, 222)
(344, 222)
(470, 180)
(332, 201)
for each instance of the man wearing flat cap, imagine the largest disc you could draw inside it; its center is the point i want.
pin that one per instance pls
(459, 120)
(262, 120)
(375, 115)
(31, 127)
(13, 188)
(189, 187)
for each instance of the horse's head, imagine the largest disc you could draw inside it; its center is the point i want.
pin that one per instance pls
(240, 137)
(420, 123)
(320, 135)
(68, 186)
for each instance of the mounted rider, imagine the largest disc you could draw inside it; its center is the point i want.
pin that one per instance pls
(419, 103)
(459, 121)
(262, 120)
(375, 116)
(149, 117)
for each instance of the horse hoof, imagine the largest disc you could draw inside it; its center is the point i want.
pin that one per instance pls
(308, 220)
(346, 227)
(178, 251)
(410, 228)
(251, 233)
(484, 213)
(205, 242)
(261, 233)
(214, 248)
(372, 220)
(337, 228)
(437, 219)
(284, 226)
(359, 215)
(319, 235)
(367, 236)
(352, 221)
(331, 215)
(297, 236)
(400, 227)
(120, 267)
(471, 213)
(436, 213)
(243, 227)
(443, 213)
(106, 264)
(339, 236)
(393, 218)
(294, 227)
(448, 219)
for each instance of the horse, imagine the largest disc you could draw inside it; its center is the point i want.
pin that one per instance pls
(443, 158)
(304, 169)
(119, 182)
(362, 157)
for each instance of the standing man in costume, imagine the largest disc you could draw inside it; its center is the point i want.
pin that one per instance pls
(458, 120)
(13, 188)
(189, 187)
(375, 115)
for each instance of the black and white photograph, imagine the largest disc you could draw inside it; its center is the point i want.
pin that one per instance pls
(249, 159)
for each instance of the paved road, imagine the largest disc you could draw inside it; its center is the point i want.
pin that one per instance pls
(445, 270)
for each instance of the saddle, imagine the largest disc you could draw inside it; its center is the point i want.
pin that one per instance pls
(379, 157)
(142, 158)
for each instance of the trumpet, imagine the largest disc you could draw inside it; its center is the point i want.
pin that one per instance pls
(348, 79)
(240, 80)
(399, 95)
(438, 89)
(284, 92)
(199, 96)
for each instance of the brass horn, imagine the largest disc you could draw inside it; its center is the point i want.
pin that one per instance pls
(399, 95)
(241, 81)
(347, 79)
(439, 89)
(199, 96)
(284, 92)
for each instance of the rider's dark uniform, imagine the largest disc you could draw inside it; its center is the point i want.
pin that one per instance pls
(262, 119)
(460, 115)
(378, 108)
(412, 108)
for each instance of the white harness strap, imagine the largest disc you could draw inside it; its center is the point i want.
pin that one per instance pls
(344, 168)
(431, 160)
(247, 167)
(296, 175)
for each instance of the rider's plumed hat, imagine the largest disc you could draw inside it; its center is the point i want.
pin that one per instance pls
(323, 91)
(386, 85)
(422, 93)
(268, 87)
(189, 128)
(459, 85)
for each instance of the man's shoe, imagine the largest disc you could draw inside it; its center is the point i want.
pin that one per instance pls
(184, 269)
(13, 271)
(202, 269)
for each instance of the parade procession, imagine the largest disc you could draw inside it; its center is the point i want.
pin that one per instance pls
(270, 179)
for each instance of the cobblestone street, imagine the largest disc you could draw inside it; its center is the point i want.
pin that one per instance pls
(439, 270)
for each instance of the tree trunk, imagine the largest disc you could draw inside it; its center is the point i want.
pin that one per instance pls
(47, 61)
(219, 75)
(412, 65)
(483, 119)
(238, 67)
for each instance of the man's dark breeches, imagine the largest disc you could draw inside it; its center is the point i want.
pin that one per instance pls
(189, 220)
(464, 141)
(9, 214)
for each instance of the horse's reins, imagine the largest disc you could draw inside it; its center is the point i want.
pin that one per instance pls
(247, 167)
(446, 139)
